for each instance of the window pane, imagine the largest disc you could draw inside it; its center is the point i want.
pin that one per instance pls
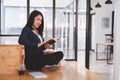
(65, 27)
(13, 16)
(81, 31)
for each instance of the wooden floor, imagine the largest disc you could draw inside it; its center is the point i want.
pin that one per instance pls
(69, 71)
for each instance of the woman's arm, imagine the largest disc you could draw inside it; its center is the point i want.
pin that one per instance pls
(23, 39)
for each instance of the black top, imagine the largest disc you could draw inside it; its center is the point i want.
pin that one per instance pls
(30, 42)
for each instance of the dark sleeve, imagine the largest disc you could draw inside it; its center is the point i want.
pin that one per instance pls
(44, 48)
(23, 39)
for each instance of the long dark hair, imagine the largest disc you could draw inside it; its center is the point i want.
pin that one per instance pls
(31, 21)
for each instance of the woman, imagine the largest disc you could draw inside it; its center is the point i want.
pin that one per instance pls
(31, 37)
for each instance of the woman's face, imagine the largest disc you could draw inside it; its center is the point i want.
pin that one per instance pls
(37, 21)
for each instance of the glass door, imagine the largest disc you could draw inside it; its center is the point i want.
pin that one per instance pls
(65, 29)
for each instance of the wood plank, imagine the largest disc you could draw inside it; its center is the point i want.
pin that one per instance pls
(9, 61)
(10, 58)
(69, 71)
(8, 69)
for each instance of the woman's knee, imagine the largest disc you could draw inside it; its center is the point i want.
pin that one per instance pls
(59, 54)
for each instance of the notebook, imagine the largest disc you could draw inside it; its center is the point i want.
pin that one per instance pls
(37, 75)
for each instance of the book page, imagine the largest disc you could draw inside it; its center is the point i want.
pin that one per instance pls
(49, 41)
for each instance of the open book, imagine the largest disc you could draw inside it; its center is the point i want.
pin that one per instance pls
(37, 75)
(49, 41)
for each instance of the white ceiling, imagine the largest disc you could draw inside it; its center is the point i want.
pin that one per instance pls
(37, 3)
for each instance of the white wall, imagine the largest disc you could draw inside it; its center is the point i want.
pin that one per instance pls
(116, 73)
(104, 11)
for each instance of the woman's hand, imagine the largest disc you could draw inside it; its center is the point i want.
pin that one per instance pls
(47, 45)
(39, 44)
(48, 51)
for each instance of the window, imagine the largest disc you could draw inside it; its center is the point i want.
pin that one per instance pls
(13, 16)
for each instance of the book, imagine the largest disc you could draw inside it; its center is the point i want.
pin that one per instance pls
(37, 75)
(49, 41)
